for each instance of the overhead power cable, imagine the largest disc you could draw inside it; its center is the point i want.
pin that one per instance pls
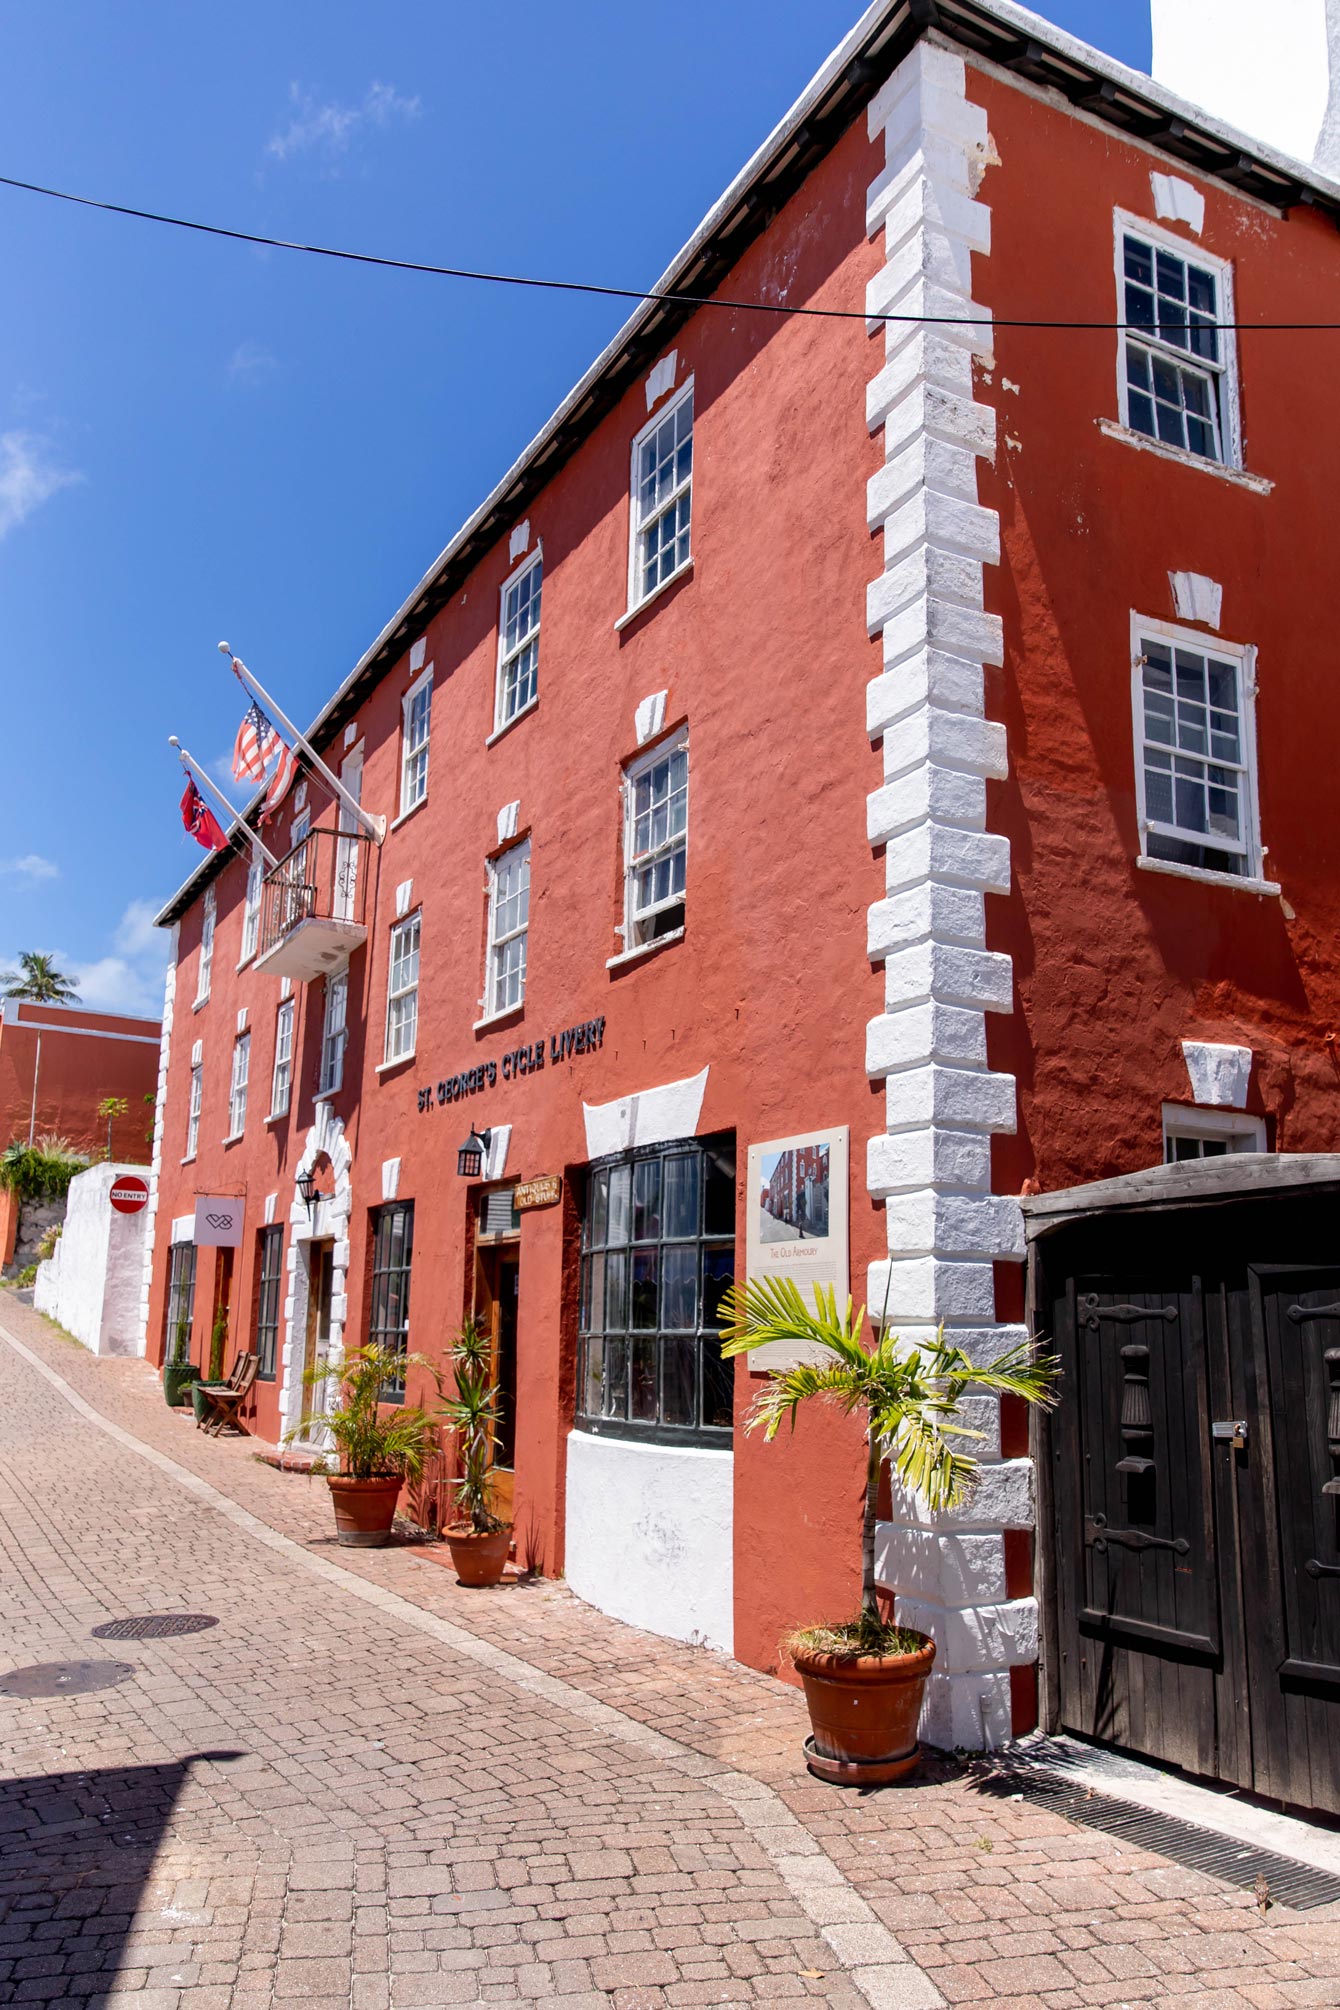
(637, 292)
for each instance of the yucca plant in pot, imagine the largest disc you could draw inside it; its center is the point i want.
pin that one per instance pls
(864, 1678)
(379, 1444)
(480, 1539)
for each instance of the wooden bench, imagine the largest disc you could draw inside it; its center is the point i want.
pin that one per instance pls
(223, 1400)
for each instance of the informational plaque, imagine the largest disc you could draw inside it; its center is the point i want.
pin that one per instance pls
(796, 1206)
(543, 1191)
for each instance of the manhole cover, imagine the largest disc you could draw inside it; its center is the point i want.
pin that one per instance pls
(154, 1626)
(64, 1678)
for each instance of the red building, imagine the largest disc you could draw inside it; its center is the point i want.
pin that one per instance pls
(1072, 575)
(58, 1063)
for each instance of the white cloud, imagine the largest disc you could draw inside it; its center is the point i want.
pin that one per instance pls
(130, 977)
(251, 361)
(32, 867)
(330, 130)
(29, 477)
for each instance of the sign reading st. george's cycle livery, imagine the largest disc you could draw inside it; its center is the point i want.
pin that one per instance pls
(586, 1038)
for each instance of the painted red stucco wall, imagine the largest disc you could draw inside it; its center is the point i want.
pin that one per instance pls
(78, 1071)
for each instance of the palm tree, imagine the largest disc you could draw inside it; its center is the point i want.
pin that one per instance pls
(38, 980)
(908, 1396)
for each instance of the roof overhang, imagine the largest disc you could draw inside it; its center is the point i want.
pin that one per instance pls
(1236, 1176)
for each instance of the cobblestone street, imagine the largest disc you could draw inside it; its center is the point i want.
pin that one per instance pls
(364, 1787)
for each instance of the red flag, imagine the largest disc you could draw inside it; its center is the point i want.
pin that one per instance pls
(199, 819)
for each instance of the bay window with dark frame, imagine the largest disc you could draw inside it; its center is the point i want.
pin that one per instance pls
(392, 1258)
(269, 1280)
(657, 1258)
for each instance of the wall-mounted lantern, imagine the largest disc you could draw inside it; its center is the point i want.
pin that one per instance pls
(309, 1190)
(470, 1157)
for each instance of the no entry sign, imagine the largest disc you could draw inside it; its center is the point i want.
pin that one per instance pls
(129, 1193)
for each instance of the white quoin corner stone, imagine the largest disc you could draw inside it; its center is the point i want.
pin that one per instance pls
(1196, 598)
(1220, 1076)
(1178, 201)
(931, 1163)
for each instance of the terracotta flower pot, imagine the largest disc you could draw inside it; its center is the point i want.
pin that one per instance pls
(864, 1712)
(364, 1509)
(479, 1559)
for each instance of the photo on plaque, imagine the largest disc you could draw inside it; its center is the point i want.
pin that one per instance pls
(797, 1223)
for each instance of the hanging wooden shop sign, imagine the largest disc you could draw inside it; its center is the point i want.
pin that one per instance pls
(543, 1191)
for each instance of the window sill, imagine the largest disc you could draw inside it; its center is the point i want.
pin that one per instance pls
(492, 1019)
(198, 1004)
(233, 1138)
(277, 1117)
(1258, 484)
(243, 961)
(327, 1095)
(405, 815)
(389, 1067)
(189, 1160)
(1237, 881)
(683, 572)
(500, 732)
(644, 949)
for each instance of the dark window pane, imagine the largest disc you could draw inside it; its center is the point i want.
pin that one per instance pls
(679, 1380)
(646, 1200)
(718, 1270)
(616, 1292)
(594, 1375)
(597, 1217)
(620, 1182)
(645, 1290)
(616, 1379)
(643, 1402)
(718, 1385)
(679, 1292)
(719, 1200)
(681, 1195)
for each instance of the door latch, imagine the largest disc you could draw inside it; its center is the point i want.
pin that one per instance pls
(1234, 1429)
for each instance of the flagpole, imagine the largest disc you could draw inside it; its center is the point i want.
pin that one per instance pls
(374, 826)
(236, 821)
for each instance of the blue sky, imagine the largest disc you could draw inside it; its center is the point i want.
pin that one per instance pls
(201, 440)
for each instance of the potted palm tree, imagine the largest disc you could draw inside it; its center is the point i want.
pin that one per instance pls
(864, 1678)
(481, 1539)
(379, 1446)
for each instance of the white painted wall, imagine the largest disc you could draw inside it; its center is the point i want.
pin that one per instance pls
(650, 1536)
(1268, 73)
(92, 1285)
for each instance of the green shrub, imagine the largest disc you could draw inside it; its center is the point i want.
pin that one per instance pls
(41, 1171)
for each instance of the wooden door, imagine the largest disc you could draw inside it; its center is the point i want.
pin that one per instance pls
(499, 1305)
(316, 1347)
(216, 1363)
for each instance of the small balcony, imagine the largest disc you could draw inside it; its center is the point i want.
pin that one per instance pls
(312, 906)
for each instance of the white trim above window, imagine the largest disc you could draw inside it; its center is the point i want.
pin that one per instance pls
(334, 1034)
(1193, 703)
(281, 1080)
(1192, 1133)
(661, 499)
(509, 929)
(1177, 366)
(655, 843)
(402, 991)
(416, 720)
(518, 686)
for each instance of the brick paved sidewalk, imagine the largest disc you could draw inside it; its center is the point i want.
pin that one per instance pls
(453, 1797)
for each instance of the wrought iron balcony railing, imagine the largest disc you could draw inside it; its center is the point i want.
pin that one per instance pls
(312, 906)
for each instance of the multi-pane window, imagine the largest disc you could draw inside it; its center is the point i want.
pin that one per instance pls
(414, 743)
(237, 1090)
(656, 822)
(251, 913)
(658, 1255)
(402, 990)
(268, 1295)
(392, 1256)
(334, 1034)
(281, 1081)
(206, 946)
(1208, 1134)
(1193, 754)
(1174, 351)
(193, 1109)
(180, 1301)
(662, 498)
(509, 920)
(519, 642)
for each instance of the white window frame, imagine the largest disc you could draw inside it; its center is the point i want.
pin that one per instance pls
(334, 1034)
(207, 927)
(507, 657)
(237, 1087)
(1225, 374)
(193, 1110)
(1243, 656)
(638, 527)
(402, 990)
(517, 855)
(281, 1075)
(301, 830)
(1234, 1128)
(414, 753)
(635, 919)
(251, 912)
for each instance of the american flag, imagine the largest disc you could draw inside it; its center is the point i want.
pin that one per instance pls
(256, 746)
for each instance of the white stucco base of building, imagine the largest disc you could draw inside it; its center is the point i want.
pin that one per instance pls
(650, 1536)
(91, 1286)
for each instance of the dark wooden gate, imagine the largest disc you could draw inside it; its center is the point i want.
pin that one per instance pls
(1192, 1468)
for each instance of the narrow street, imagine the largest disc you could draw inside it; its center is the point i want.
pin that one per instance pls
(364, 1787)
